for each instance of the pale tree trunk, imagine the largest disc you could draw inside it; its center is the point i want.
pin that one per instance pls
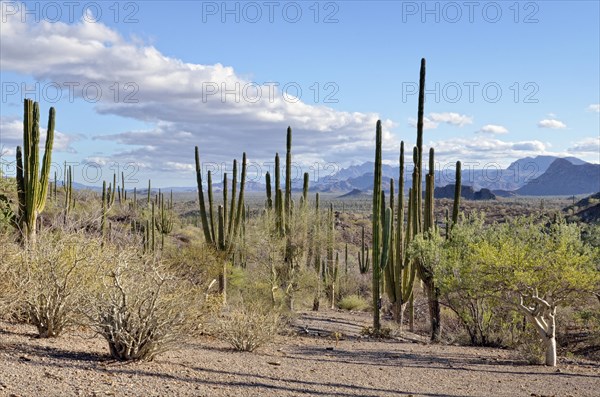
(543, 316)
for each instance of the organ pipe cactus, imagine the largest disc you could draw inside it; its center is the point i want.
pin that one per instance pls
(32, 184)
(400, 273)
(363, 255)
(268, 187)
(231, 218)
(457, 188)
(164, 218)
(376, 229)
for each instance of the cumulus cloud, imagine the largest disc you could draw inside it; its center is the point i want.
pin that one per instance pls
(594, 108)
(552, 124)
(487, 148)
(186, 103)
(587, 146)
(459, 120)
(433, 120)
(12, 136)
(492, 129)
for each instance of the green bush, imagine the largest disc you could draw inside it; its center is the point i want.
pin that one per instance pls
(354, 302)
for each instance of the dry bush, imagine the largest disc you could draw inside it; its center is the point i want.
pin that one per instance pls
(11, 286)
(354, 302)
(247, 327)
(142, 310)
(54, 276)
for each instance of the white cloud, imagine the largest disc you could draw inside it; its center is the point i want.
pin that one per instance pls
(586, 146)
(451, 118)
(12, 136)
(176, 97)
(594, 108)
(552, 124)
(493, 129)
(428, 124)
(488, 149)
(434, 119)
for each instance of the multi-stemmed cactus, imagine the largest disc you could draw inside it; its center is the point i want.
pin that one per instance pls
(164, 218)
(400, 271)
(363, 255)
(68, 187)
(229, 232)
(389, 247)
(108, 199)
(457, 189)
(32, 184)
(224, 232)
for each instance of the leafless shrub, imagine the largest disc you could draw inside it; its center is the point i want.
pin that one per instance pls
(247, 327)
(141, 310)
(53, 276)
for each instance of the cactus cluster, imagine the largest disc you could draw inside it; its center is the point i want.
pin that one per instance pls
(165, 217)
(32, 183)
(389, 252)
(221, 231)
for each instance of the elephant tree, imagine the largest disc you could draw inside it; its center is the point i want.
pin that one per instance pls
(536, 267)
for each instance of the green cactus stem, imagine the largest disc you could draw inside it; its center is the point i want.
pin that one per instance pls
(32, 184)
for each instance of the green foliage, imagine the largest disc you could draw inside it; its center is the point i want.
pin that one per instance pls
(354, 302)
(521, 256)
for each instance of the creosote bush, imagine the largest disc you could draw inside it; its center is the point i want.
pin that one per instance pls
(142, 310)
(247, 327)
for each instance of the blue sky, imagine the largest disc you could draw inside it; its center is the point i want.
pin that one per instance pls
(361, 58)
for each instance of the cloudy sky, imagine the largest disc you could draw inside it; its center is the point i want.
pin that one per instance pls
(137, 85)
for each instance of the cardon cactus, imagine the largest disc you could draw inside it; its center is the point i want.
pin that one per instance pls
(32, 184)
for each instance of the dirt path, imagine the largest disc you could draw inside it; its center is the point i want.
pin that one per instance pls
(293, 365)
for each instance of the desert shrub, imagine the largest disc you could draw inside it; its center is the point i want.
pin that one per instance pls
(354, 302)
(247, 327)
(142, 310)
(11, 286)
(54, 275)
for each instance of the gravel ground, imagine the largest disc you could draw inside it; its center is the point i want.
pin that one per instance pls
(312, 363)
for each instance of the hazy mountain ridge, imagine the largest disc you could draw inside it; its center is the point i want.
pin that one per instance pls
(542, 175)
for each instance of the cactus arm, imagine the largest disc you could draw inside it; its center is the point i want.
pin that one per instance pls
(376, 225)
(46, 162)
(211, 212)
(457, 192)
(268, 187)
(240, 203)
(203, 217)
(232, 208)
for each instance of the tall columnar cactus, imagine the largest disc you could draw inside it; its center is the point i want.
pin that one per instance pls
(164, 219)
(69, 200)
(108, 198)
(268, 187)
(305, 189)
(149, 191)
(231, 218)
(457, 188)
(429, 198)
(376, 228)
(31, 183)
(363, 255)
(400, 272)
(288, 177)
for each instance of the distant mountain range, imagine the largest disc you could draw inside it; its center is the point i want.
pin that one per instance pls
(564, 178)
(530, 176)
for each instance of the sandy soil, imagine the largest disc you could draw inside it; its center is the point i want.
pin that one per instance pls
(311, 363)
